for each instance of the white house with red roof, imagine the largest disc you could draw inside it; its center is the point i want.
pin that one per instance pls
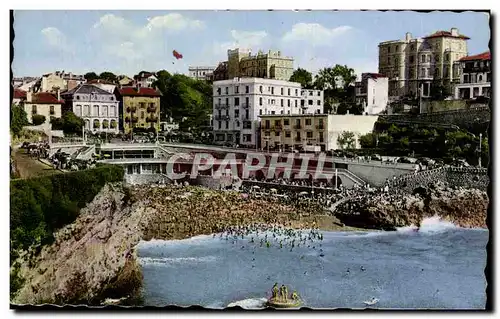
(144, 79)
(42, 103)
(475, 76)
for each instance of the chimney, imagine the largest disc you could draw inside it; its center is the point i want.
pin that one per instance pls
(454, 32)
(408, 36)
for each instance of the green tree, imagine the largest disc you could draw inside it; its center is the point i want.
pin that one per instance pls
(303, 77)
(89, 76)
(368, 140)
(108, 76)
(337, 85)
(37, 119)
(18, 119)
(440, 91)
(404, 143)
(346, 140)
(69, 123)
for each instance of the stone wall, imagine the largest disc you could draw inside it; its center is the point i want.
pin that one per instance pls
(477, 178)
(139, 179)
(462, 118)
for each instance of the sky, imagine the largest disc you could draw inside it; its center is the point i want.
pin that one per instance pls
(127, 42)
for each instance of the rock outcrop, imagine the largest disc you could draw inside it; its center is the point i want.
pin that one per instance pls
(463, 207)
(93, 259)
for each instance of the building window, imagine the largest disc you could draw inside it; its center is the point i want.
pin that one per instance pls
(282, 102)
(227, 125)
(236, 113)
(288, 92)
(308, 121)
(247, 89)
(220, 124)
(272, 90)
(260, 112)
(397, 48)
(288, 134)
(437, 58)
(281, 91)
(142, 115)
(319, 102)
(227, 90)
(277, 133)
(296, 92)
(388, 49)
(273, 112)
(260, 101)
(295, 103)
(286, 122)
(411, 58)
(310, 102)
(219, 91)
(288, 103)
(78, 97)
(33, 109)
(227, 101)
(260, 89)
(309, 134)
(236, 89)
(412, 47)
(236, 101)
(52, 112)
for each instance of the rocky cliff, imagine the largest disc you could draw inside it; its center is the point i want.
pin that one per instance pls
(463, 207)
(93, 259)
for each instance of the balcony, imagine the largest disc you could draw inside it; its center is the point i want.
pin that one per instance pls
(297, 126)
(222, 117)
(221, 106)
(245, 105)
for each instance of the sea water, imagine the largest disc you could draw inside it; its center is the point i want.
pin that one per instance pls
(439, 267)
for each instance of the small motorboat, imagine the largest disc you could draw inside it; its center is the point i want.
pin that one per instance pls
(279, 303)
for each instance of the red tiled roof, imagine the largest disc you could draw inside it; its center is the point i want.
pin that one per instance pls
(439, 34)
(45, 98)
(19, 94)
(481, 56)
(100, 81)
(133, 91)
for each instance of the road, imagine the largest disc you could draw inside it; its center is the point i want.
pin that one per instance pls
(28, 167)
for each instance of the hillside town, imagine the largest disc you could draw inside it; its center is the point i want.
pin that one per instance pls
(260, 101)
(257, 160)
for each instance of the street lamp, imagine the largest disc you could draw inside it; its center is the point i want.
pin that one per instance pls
(480, 139)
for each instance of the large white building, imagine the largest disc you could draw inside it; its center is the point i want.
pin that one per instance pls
(97, 107)
(239, 102)
(373, 93)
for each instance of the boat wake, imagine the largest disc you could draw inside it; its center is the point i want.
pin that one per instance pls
(251, 303)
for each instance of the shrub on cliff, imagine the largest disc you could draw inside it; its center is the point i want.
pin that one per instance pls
(40, 206)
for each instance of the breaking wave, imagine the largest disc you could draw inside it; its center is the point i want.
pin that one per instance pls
(433, 224)
(250, 303)
(165, 260)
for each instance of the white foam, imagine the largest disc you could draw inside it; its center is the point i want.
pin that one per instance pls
(435, 224)
(251, 303)
(158, 243)
(166, 260)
